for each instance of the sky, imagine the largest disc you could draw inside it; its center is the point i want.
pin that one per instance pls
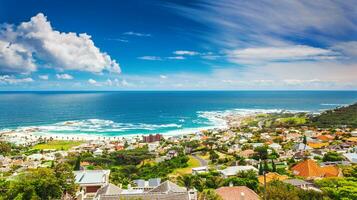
(178, 45)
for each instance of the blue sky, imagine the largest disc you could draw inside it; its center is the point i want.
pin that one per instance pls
(178, 45)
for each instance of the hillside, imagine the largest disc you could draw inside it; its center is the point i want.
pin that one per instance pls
(337, 117)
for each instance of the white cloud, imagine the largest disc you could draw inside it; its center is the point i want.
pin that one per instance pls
(63, 51)
(15, 58)
(163, 76)
(278, 54)
(64, 76)
(92, 81)
(176, 58)
(185, 52)
(137, 34)
(235, 23)
(6, 79)
(43, 77)
(149, 58)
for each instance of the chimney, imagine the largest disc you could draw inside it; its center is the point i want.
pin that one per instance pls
(242, 196)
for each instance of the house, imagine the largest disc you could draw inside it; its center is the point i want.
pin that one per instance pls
(237, 193)
(318, 145)
(309, 169)
(35, 156)
(247, 153)
(90, 181)
(153, 146)
(171, 154)
(301, 147)
(352, 157)
(301, 184)
(233, 170)
(152, 138)
(166, 190)
(146, 185)
(98, 152)
(275, 146)
(325, 138)
(272, 176)
(198, 170)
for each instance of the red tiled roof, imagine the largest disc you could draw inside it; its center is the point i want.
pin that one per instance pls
(310, 169)
(235, 193)
(307, 168)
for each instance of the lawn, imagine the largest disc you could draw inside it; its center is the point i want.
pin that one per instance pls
(58, 145)
(192, 163)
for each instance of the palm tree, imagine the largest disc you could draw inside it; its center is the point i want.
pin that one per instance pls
(186, 181)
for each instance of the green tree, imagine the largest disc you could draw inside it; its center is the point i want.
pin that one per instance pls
(339, 188)
(186, 181)
(261, 170)
(304, 140)
(77, 165)
(65, 178)
(273, 165)
(5, 148)
(209, 194)
(266, 167)
(213, 156)
(332, 156)
(37, 184)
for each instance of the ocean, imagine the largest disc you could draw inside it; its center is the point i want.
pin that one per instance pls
(143, 112)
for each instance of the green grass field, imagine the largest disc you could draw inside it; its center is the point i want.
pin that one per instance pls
(192, 163)
(58, 145)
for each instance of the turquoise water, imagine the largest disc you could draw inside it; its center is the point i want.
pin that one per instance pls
(125, 113)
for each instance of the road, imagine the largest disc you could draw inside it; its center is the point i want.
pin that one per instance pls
(202, 161)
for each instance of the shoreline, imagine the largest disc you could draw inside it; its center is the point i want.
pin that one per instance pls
(220, 120)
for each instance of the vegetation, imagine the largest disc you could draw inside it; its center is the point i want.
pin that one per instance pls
(192, 163)
(213, 180)
(42, 183)
(337, 117)
(277, 190)
(57, 144)
(339, 188)
(332, 156)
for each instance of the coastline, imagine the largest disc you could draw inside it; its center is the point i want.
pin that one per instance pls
(219, 120)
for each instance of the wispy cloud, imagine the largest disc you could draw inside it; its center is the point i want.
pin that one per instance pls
(233, 23)
(294, 53)
(6, 79)
(185, 52)
(43, 77)
(118, 40)
(137, 34)
(64, 76)
(150, 58)
(176, 58)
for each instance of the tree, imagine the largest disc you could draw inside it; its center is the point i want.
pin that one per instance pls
(186, 181)
(266, 167)
(262, 152)
(339, 188)
(261, 170)
(65, 177)
(332, 156)
(37, 184)
(304, 140)
(209, 194)
(5, 148)
(273, 165)
(213, 156)
(77, 165)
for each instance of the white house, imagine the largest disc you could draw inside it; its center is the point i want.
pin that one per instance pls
(233, 170)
